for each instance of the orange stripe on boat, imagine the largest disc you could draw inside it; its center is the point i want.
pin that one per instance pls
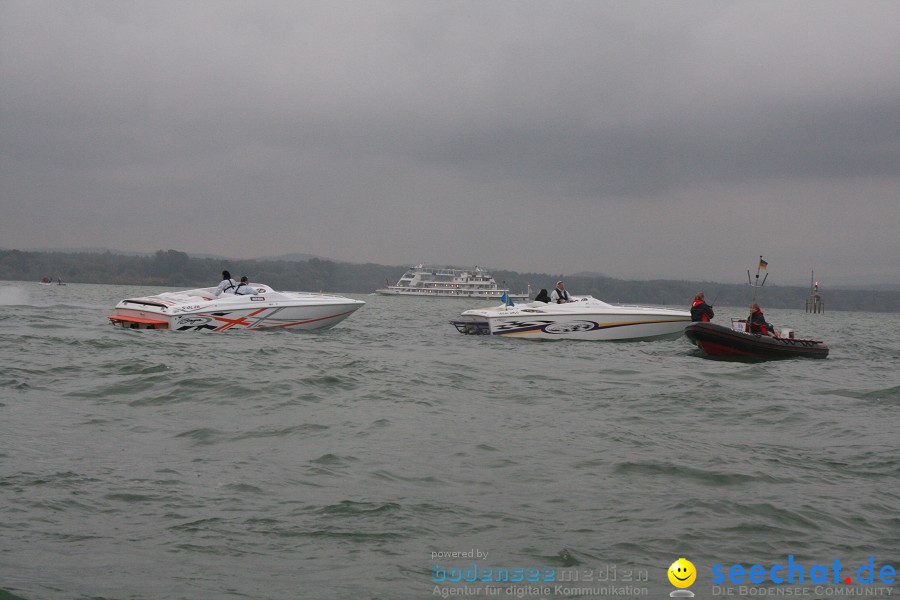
(130, 319)
(229, 323)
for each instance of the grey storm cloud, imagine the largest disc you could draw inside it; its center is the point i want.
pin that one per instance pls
(627, 135)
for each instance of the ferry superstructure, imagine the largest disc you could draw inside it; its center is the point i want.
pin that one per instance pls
(449, 282)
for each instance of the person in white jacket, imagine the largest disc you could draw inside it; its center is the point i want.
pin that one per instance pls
(244, 288)
(559, 295)
(227, 284)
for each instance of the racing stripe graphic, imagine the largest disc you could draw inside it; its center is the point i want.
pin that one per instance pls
(552, 328)
(229, 323)
(303, 322)
(263, 318)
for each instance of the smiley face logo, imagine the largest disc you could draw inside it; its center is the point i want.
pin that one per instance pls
(682, 573)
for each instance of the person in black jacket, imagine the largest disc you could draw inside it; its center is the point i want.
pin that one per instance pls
(757, 321)
(700, 310)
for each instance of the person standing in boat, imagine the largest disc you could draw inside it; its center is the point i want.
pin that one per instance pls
(700, 310)
(243, 288)
(226, 284)
(559, 295)
(757, 321)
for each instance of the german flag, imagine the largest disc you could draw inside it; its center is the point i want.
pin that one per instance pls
(762, 264)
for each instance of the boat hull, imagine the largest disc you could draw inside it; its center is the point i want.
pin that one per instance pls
(719, 341)
(545, 325)
(305, 318)
(196, 311)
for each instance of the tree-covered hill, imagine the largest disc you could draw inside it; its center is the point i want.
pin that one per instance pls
(177, 269)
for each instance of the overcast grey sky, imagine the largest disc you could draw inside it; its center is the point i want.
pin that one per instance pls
(650, 139)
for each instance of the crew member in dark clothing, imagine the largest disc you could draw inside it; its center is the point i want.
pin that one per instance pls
(757, 321)
(542, 296)
(700, 310)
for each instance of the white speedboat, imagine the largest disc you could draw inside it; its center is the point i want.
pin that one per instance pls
(201, 310)
(449, 282)
(584, 318)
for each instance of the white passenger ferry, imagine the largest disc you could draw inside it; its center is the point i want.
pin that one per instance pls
(449, 282)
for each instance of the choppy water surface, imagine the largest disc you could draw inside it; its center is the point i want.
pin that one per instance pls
(152, 464)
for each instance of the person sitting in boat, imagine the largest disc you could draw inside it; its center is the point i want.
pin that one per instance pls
(243, 288)
(559, 294)
(700, 310)
(227, 284)
(757, 321)
(542, 296)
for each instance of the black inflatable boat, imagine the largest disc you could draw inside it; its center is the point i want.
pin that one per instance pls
(716, 340)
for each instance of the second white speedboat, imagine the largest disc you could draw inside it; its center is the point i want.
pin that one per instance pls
(201, 310)
(585, 318)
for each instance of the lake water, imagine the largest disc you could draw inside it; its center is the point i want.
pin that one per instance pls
(283, 465)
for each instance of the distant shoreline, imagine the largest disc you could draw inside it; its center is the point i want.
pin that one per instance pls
(172, 268)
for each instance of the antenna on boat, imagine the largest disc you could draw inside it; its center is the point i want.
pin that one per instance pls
(762, 267)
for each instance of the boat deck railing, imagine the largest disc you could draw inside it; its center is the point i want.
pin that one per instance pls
(653, 306)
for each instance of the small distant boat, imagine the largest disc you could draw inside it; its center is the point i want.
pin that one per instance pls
(201, 310)
(449, 282)
(737, 342)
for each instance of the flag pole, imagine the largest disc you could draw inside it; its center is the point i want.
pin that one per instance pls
(758, 285)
